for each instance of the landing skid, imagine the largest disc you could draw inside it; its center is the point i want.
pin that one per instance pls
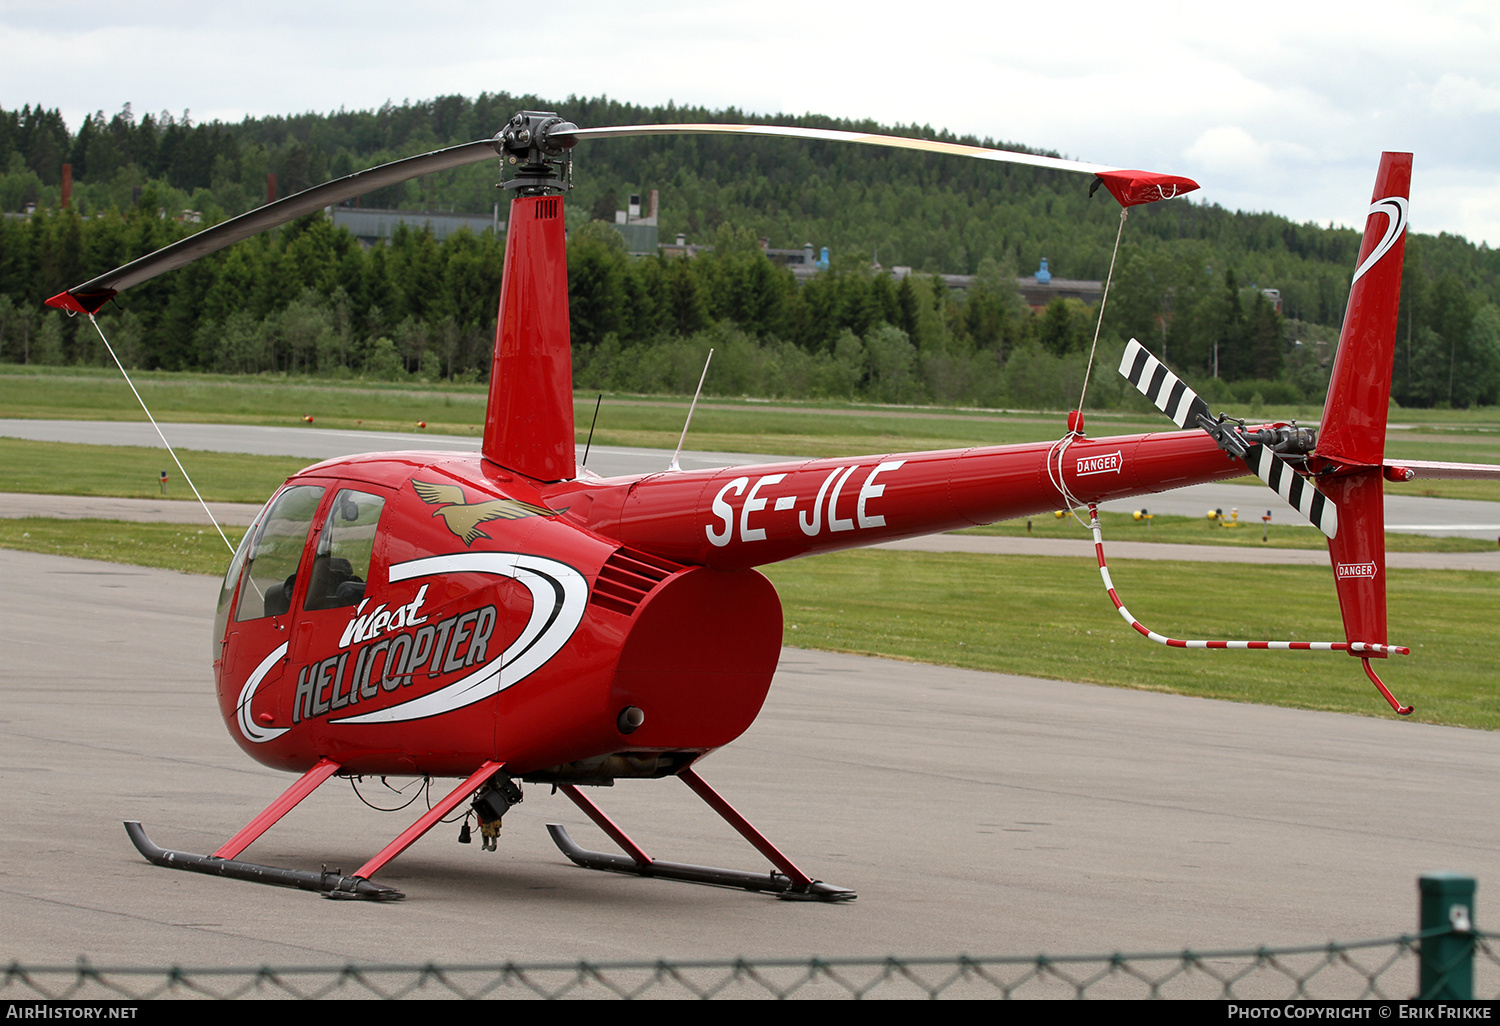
(331, 883)
(787, 882)
(772, 882)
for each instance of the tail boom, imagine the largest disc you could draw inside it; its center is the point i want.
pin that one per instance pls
(739, 517)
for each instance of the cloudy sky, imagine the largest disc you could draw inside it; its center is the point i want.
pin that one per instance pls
(1280, 106)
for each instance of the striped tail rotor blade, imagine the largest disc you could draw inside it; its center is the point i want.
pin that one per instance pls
(1314, 506)
(1166, 390)
(1171, 395)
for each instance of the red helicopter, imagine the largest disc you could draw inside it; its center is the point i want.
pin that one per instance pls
(502, 617)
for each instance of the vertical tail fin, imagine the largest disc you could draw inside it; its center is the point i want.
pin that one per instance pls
(528, 425)
(1351, 442)
(1359, 390)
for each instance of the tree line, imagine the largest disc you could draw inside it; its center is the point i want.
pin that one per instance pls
(309, 298)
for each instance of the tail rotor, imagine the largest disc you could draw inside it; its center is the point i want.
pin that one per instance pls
(1260, 448)
(1346, 456)
(1274, 453)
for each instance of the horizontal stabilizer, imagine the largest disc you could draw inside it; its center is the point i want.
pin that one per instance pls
(1395, 471)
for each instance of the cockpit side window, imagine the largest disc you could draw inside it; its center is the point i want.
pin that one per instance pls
(346, 547)
(271, 568)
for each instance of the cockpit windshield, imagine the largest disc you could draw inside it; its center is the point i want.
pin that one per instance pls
(271, 570)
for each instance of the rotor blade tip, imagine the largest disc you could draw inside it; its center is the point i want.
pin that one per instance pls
(85, 304)
(1133, 188)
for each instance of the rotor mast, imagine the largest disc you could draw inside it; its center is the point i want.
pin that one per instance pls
(528, 425)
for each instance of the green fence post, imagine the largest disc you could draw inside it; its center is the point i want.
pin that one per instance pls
(1447, 959)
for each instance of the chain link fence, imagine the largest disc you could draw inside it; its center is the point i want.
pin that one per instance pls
(1448, 958)
(1388, 969)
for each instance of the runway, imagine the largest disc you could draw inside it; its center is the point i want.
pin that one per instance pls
(973, 812)
(1410, 513)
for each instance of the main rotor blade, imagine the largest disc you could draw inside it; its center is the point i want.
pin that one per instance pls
(1130, 187)
(94, 293)
(1172, 396)
(829, 135)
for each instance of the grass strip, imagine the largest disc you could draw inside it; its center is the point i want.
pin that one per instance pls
(133, 472)
(183, 547)
(1051, 618)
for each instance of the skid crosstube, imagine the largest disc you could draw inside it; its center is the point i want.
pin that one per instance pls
(786, 881)
(331, 883)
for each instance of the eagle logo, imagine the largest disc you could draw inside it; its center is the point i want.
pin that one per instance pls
(463, 518)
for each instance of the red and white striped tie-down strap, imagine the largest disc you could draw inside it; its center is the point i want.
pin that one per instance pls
(1355, 647)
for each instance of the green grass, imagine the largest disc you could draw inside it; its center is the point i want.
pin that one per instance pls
(97, 394)
(182, 547)
(827, 429)
(1480, 444)
(64, 468)
(1118, 527)
(1049, 617)
(93, 394)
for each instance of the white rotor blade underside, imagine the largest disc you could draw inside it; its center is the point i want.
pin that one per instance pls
(867, 138)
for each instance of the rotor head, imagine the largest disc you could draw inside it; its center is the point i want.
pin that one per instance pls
(535, 146)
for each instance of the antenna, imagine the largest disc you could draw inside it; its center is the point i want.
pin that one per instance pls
(185, 476)
(674, 465)
(591, 429)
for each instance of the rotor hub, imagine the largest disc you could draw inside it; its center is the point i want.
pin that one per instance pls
(535, 146)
